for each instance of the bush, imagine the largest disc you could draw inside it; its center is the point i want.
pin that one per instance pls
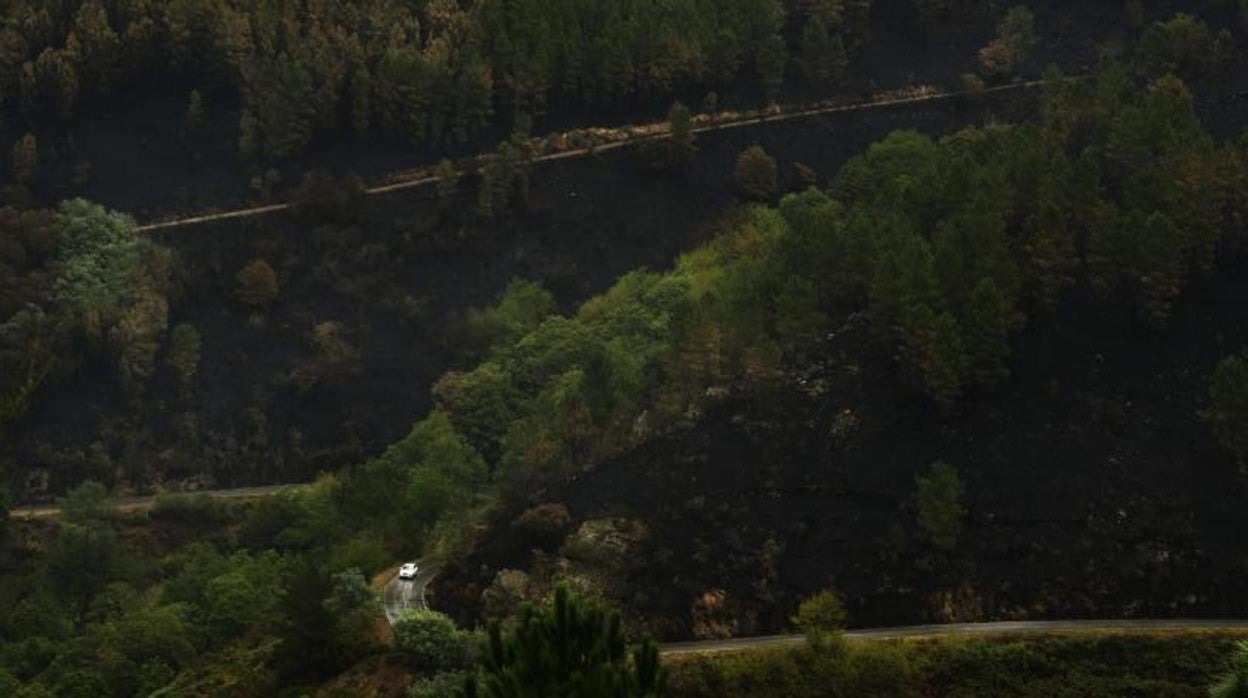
(821, 619)
(432, 641)
(188, 509)
(756, 174)
(256, 285)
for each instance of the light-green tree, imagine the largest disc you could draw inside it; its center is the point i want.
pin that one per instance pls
(821, 618)
(939, 493)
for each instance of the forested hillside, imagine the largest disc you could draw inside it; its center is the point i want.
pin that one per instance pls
(958, 359)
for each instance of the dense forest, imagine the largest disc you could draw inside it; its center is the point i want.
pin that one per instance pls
(949, 252)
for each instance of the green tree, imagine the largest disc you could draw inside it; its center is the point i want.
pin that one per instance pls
(821, 618)
(49, 87)
(681, 137)
(1234, 683)
(184, 354)
(100, 259)
(756, 174)
(939, 494)
(823, 56)
(1180, 45)
(256, 285)
(1228, 404)
(432, 641)
(1015, 40)
(25, 158)
(573, 647)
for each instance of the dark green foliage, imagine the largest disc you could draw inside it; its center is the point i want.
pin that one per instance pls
(25, 158)
(674, 151)
(321, 197)
(756, 174)
(573, 647)
(823, 56)
(195, 121)
(989, 317)
(1180, 45)
(426, 72)
(1016, 39)
(821, 618)
(432, 641)
(939, 495)
(256, 285)
(1234, 683)
(1077, 665)
(184, 354)
(773, 58)
(1228, 404)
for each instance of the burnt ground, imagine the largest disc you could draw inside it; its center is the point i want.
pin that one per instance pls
(1093, 489)
(393, 281)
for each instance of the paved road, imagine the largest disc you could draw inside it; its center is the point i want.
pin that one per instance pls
(144, 503)
(961, 630)
(403, 595)
(642, 133)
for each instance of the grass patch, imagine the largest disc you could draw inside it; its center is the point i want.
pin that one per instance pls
(1171, 664)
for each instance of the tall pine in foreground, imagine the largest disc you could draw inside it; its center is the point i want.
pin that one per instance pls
(572, 648)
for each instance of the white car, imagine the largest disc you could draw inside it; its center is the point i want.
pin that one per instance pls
(408, 571)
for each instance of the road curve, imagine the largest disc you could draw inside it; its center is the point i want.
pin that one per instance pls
(648, 132)
(1037, 627)
(144, 503)
(403, 595)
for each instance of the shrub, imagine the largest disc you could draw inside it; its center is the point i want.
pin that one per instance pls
(756, 174)
(256, 285)
(432, 641)
(821, 618)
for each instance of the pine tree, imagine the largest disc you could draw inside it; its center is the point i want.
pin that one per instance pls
(571, 648)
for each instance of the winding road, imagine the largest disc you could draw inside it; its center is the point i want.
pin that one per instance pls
(401, 596)
(638, 134)
(1002, 628)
